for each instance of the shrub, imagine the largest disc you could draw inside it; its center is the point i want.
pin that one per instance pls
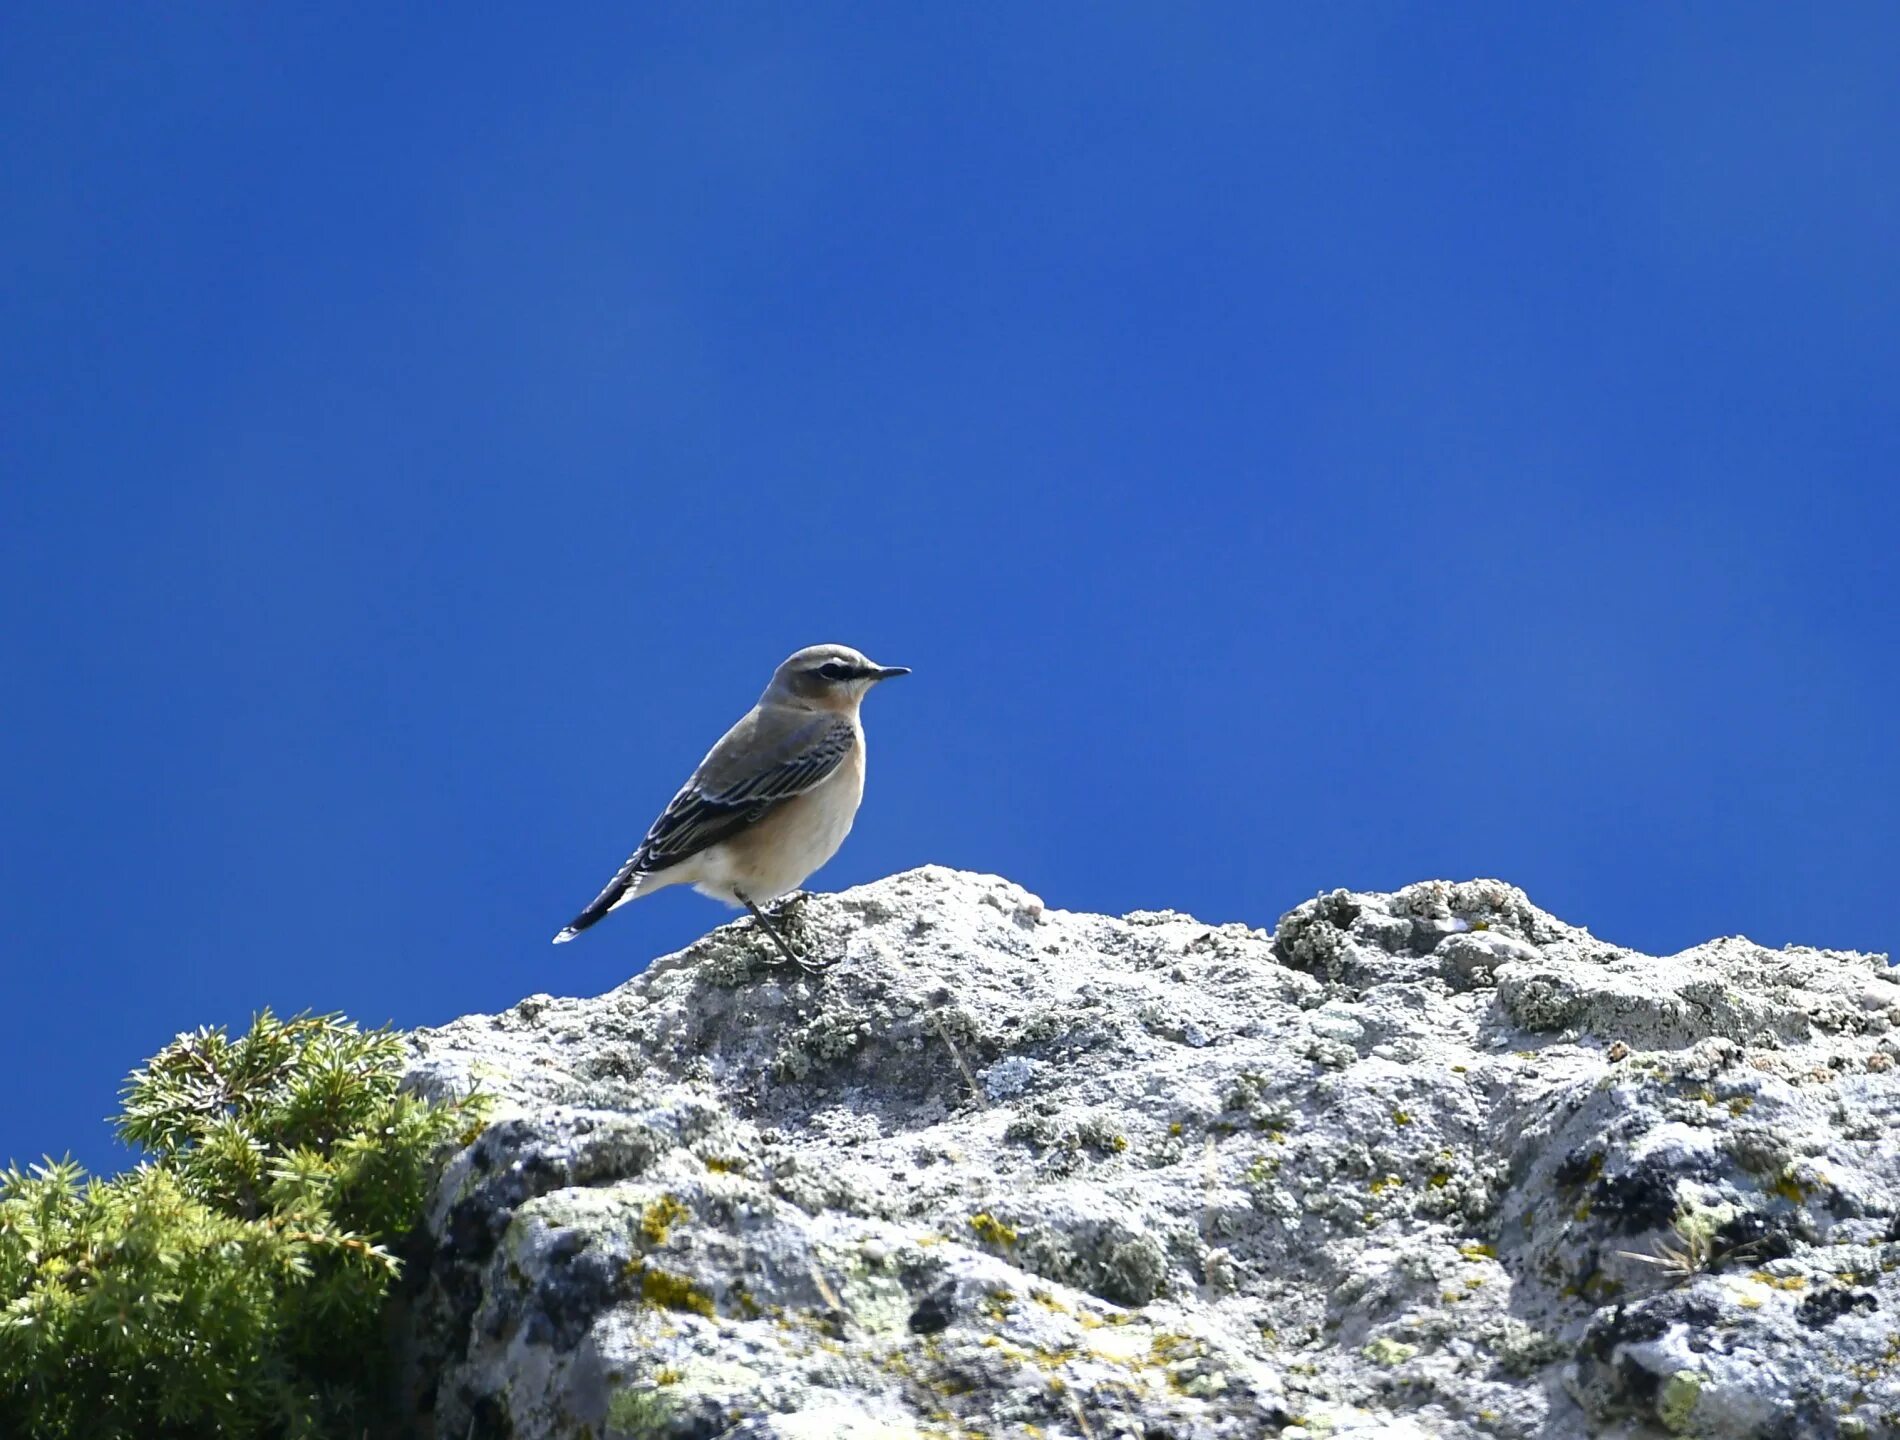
(233, 1283)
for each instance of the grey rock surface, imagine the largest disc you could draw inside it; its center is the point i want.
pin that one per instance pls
(1428, 1164)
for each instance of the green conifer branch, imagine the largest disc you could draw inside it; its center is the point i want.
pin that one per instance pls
(232, 1284)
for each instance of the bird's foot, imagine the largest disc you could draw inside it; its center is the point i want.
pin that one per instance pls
(765, 923)
(788, 953)
(804, 962)
(787, 906)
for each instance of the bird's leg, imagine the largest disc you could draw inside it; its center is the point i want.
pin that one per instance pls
(784, 907)
(777, 939)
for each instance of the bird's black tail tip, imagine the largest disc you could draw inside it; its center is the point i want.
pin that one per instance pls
(620, 890)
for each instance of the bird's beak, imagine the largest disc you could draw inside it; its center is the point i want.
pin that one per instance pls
(891, 672)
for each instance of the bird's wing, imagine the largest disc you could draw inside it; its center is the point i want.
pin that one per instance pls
(764, 760)
(777, 760)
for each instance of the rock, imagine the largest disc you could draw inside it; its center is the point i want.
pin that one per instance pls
(1004, 1170)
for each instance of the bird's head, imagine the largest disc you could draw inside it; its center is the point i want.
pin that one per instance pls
(826, 677)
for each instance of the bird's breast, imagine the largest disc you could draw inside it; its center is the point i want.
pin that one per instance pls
(777, 854)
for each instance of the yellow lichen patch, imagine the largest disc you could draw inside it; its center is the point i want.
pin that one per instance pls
(667, 1375)
(1054, 1357)
(1170, 1349)
(992, 1231)
(1175, 1129)
(1788, 1188)
(1439, 1179)
(667, 1291)
(1117, 1347)
(1780, 1282)
(1379, 1184)
(1592, 1170)
(1388, 1352)
(1475, 1253)
(660, 1217)
(720, 1165)
(1678, 1400)
(1595, 1287)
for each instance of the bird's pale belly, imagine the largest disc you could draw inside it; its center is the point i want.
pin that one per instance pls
(778, 853)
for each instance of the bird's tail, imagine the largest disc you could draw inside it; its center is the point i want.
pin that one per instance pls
(622, 888)
(591, 915)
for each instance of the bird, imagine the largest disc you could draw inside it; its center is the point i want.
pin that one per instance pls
(770, 803)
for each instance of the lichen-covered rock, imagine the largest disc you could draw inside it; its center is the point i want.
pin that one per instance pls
(1430, 1164)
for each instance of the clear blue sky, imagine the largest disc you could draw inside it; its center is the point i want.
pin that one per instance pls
(1296, 446)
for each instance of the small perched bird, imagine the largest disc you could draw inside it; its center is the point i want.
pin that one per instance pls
(770, 803)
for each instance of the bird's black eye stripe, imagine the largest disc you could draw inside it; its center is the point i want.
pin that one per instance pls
(838, 670)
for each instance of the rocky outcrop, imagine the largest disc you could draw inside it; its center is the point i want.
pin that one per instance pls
(1428, 1164)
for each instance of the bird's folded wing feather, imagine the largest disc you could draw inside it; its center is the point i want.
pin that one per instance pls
(743, 778)
(763, 761)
